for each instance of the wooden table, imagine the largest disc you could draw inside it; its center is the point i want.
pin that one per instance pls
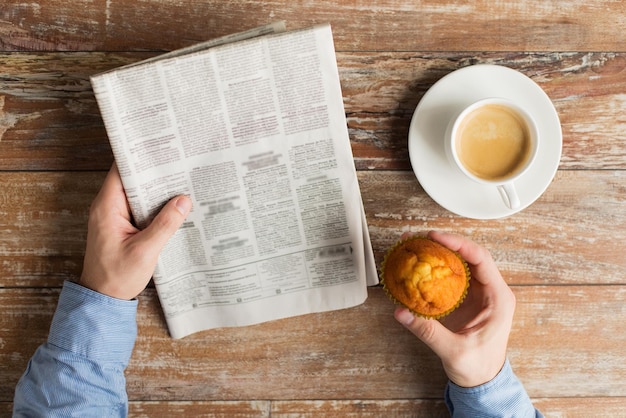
(563, 255)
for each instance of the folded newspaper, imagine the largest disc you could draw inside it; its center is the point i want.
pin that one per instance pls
(252, 128)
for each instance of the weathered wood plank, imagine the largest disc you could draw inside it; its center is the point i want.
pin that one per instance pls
(423, 408)
(568, 236)
(212, 409)
(553, 407)
(49, 119)
(323, 356)
(582, 407)
(43, 225)
(48, 111)
(381, 92)
(556, 348)
(195, 409)
(401, 25)
(24, 323)
(394, 408)
(569, 323)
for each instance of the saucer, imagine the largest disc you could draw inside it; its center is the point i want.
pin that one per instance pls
(443, 182)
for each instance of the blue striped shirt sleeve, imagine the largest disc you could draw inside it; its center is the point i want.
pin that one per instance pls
(503, 396)
(79, 371)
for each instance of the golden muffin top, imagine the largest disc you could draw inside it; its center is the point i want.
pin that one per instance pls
(426, 277)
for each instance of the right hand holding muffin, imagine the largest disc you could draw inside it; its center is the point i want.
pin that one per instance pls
(472, 340)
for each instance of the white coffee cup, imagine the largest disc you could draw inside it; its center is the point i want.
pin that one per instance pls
(493, 142)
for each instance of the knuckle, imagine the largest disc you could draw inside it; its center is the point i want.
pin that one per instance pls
(425, 330)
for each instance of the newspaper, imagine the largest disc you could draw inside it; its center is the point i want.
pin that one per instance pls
(252, 128)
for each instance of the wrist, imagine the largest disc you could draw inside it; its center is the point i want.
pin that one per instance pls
(476, 375)
(107, 288)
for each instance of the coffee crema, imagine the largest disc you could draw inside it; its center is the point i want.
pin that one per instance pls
(493, 142)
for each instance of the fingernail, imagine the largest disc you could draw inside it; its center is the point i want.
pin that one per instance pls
(405, 317)
(183, 204)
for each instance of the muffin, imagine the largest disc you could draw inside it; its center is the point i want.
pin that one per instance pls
(426, 277)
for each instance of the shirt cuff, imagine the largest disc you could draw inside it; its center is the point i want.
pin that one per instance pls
(504, 395)
(93, 325)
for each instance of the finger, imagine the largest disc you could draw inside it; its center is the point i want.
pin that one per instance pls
(471, 252)
(165, 224)
(429, 331)
(495, 294)
(111, 198)
(483, 267)
(112, 182)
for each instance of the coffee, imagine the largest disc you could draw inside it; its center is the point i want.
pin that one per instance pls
(493, 142)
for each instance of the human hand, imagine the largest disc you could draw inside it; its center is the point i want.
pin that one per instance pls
(472, 340)
(119, 258)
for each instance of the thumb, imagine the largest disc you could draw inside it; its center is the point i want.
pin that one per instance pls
(167, 221)
(431, 332)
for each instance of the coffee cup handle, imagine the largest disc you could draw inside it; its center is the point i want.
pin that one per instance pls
(509, 195)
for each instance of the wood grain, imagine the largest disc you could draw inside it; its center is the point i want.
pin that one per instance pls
(43, 225)
(395, 408)
(556, 349)
(397, 25)
(398, 408)
(49, 118)
(200, 409)
(567, 236)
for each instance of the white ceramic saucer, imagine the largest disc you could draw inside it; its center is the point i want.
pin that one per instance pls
(443, 101)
